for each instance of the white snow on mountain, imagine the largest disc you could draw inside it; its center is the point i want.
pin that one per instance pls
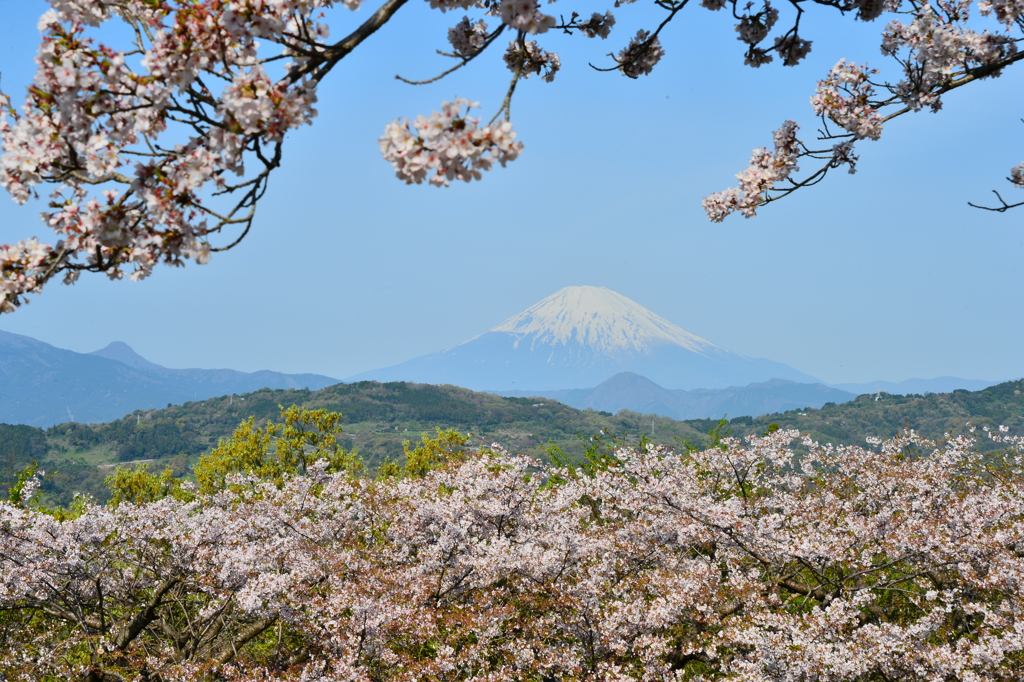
(601, 319)
(578, 338)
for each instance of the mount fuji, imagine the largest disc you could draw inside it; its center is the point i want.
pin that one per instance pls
(577, 338)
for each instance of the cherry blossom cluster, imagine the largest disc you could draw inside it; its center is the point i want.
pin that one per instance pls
(639, 57)
(531, 59)
(128, 194)
(22, 266)
(467, 38)
(766, 169)
(447, 145)
(1008, 12)
(845, 97)
(792, 48)
(253, 104)
(525, 16)
(598, 25)
(445, 5)
(937, 46)
(902, 560)
(754, 28)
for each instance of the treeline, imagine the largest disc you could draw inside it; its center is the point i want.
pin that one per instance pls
(882, 415)
(379, 417)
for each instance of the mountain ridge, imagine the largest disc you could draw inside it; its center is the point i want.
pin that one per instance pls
(943, 384)
(630, 391)
(42, 385)
(125, 354)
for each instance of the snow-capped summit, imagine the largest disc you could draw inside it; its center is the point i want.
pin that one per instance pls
(578, 338)
(601, 319)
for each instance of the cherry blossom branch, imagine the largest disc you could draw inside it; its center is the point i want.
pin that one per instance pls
(465, 59)
(189, 102)
(321, 64)
(520, 59)
(846, 98)
(644, 50)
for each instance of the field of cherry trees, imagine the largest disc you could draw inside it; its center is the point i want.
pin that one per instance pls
(900, 560)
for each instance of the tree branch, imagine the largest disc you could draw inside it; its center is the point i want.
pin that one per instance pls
(322, 64)
(230, 650)
(146, 616)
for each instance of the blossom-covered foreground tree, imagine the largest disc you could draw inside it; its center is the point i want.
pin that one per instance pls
(902, 561)
(156, 148)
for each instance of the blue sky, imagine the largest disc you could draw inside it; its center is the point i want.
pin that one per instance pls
(884, 275)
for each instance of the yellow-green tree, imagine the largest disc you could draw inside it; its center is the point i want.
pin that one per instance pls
(431, 453)
(273, 452)
(278, 451)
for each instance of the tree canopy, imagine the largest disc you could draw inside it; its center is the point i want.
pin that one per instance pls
(901, 560)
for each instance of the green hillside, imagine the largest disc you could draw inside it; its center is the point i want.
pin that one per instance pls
(379, 417)
(883, 415)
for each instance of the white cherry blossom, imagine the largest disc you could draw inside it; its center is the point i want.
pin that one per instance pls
(743, 561)
(447, 145)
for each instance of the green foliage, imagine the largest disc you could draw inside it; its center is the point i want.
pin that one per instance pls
(152, 438)
(19, 445)
(16, 496)
(16, 492)
(716, 433)
(277, 451)
(138, 486)
(599, 452)
(430, 454)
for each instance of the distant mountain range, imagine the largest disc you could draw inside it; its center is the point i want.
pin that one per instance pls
(578, 338)
(633, 392)
(587, 347)
(42, 385)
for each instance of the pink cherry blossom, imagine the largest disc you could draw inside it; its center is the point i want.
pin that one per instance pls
(743, 561)
(467, 38)
(447, 145)
(531, 59)
(766, 170)
(598, 25)
(639, 57)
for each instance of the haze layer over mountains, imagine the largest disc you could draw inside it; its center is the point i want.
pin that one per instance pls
(587, 347)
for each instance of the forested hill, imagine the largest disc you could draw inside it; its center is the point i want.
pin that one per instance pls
(884, 415)
(378, 417)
